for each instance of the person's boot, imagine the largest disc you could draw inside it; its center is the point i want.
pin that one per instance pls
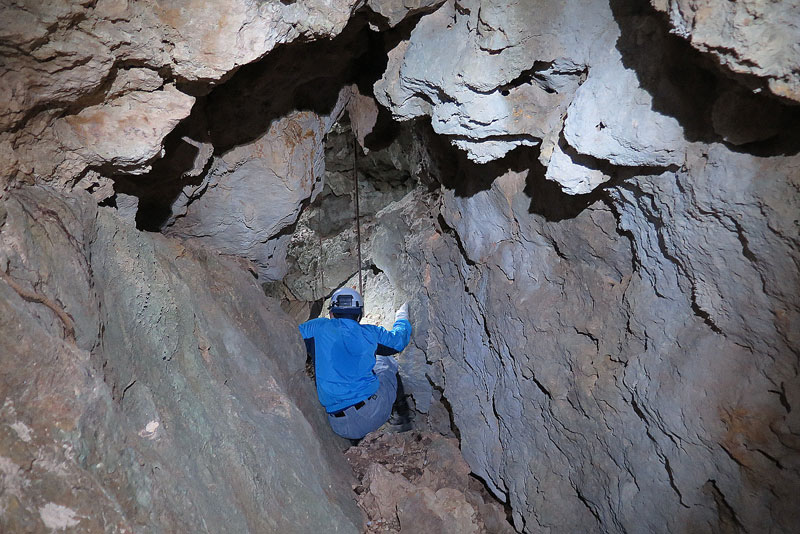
(401, 418)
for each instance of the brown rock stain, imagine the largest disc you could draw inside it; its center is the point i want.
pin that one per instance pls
(745, 431)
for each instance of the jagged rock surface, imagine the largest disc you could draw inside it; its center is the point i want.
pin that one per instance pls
(631, 366)
(149, 386)
(625, 360)
(750, 38)
(322, 250)
(418, 482)
(393, 12)
(77, 71)
(595, 86)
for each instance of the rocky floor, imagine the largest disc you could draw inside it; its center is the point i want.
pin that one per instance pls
(415, 482)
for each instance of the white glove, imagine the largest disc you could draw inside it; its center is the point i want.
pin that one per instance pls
(402, 313)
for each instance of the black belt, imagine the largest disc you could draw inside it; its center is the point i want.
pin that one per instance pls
(357, 406)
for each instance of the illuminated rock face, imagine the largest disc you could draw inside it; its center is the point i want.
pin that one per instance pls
(592, 209)
(620, 361)
(754, 38)
(77, 74)
(612, 365)
(150, 386)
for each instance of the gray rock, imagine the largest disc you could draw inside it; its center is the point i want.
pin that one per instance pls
(611, 118)
(126, 207)
(750, 38)
(494, 78)
(618, 367)
(254, 191)
(125, 132)
(60, 58)
(149, 385)
(395, 11)
(574, 179)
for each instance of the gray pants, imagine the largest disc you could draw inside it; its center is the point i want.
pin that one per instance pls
(357, 423)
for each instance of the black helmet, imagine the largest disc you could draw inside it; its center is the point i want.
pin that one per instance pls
(346, 302)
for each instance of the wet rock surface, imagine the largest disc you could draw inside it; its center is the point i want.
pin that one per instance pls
(418, 482)
(149, 386)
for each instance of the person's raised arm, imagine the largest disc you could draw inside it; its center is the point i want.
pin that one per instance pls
(394, 340)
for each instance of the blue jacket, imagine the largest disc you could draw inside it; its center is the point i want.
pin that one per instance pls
(344, 354)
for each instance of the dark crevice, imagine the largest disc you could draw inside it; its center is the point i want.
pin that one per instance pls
(589, 506)
(704, 316)
(672, 481)
(733, 457)
(746, 252)
(244, 107)
(728, 520)
(525, 77)
(129, 386)
(557, 249)
(169, 175)
(452, 232)
(316, 308)
(591, 336)
(541, 386)
(782, 397)
(769, 457)
(505, 502)
(447, 406)
(638, 411)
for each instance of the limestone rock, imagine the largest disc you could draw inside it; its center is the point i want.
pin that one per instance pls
(418, 482)
(494, 78)
(268, 164)
(125, 132)
(573, 339)
(59, 58)
(574, 179)
(322, 251)
(363, 113)
(395, 11)
(750, 38)
(484, 100)
(611, 119)
(254, 191)
(149, 385)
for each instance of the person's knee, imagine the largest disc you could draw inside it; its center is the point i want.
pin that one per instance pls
(385, 364)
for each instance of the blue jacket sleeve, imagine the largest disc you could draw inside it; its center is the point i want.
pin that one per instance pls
(308, 328)
(394, 340)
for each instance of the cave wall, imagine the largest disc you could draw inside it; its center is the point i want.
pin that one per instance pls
(150, 386)
(586, 383)
(600, 248)
(624, 360)
(92, 88)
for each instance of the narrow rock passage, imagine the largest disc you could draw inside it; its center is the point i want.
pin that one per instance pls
(591, 206)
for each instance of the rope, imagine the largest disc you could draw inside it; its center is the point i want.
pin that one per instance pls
(320, 265)
(358, 215)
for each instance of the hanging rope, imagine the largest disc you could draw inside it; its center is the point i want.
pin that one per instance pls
(358, 215)
(320, 263)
